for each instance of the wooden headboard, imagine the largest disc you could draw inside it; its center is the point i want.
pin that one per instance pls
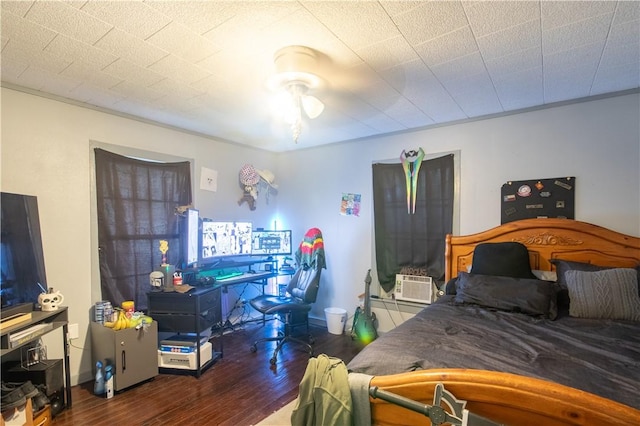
(548, 239)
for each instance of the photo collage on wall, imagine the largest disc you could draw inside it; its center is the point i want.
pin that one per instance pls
(350, 204)
(526, 199)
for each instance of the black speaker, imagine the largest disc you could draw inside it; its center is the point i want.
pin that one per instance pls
(57, 402)
(48, 373)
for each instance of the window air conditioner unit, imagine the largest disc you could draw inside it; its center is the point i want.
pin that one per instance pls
(414, 288)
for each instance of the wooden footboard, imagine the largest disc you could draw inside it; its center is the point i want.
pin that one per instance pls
(501, 397)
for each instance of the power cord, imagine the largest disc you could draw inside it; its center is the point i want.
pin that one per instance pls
(398, 309)
(77, 347)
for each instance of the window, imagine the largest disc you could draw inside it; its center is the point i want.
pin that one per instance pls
(136, 208)
(408, 238)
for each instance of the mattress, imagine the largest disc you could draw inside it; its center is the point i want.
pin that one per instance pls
(597, 356)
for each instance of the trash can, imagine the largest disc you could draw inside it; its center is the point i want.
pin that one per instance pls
(336, 318)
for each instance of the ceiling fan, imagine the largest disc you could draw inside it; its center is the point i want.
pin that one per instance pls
(295, 78)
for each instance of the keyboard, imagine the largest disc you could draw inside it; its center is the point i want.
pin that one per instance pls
(227, 276)
(243, 277)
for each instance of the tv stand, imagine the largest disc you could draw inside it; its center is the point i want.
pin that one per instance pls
(52, 321)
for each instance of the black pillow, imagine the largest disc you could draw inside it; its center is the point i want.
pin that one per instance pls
(563, 266)
(527, 296)
(509, 259)
(450, 287)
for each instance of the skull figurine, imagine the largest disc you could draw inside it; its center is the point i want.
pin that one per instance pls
(50, 301)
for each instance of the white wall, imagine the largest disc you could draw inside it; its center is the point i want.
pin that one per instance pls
(598, 142)
(46, 152)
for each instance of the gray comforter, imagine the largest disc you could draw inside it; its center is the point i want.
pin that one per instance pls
(597, 356)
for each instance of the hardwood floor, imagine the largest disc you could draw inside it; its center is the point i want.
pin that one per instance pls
(242, 388)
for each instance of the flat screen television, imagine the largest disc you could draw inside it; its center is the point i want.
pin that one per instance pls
(271, 243)
(21, 254)
(191, 235)
(221, 239)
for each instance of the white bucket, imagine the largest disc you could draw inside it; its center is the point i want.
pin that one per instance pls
(336, 318)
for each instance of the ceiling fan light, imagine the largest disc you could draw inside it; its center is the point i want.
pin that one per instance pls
(291, 115)
(295, 66)
(281, 100)
(283, 106)
(312, 106)
(295, 59)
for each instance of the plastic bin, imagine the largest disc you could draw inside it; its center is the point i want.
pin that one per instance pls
(336, 318)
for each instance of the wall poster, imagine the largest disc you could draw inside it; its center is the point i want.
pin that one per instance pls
(350, 204)
(526, 199)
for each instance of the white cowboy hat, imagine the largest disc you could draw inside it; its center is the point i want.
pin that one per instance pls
(268, 177)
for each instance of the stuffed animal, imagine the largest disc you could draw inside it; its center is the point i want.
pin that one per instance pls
(251, 180)
(249, 197)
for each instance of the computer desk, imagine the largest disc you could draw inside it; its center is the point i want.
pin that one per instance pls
(260, 278)
(200, 309)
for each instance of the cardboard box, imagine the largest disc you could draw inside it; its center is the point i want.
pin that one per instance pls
(19, 416)
(184, 361)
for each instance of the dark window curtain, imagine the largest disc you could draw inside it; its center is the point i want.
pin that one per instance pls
(415, 240)
(137, 202)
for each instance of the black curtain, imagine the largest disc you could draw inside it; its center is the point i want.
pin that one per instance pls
(412, 240)
(136, 202)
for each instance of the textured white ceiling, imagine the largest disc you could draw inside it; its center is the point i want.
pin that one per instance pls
(388, 66)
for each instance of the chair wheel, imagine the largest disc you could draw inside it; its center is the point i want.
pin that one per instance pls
(312, 340)
(254, 348)
(273, 361)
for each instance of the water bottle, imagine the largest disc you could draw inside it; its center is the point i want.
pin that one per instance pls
(108, 377)
(98, 386)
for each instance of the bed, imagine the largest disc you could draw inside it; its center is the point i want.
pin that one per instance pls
(526, 349)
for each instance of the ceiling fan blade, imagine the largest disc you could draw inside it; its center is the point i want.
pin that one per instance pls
(312, 106)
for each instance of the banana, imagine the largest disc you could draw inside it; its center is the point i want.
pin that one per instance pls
(121, 321)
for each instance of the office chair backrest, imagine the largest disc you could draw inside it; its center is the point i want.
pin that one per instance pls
(304, 285)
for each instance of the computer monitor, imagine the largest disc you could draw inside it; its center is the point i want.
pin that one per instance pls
(220, 239)
(191, 236)
(271, 243)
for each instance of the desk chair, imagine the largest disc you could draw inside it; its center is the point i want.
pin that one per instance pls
(293, 310)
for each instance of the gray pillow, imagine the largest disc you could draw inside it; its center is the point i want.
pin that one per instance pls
(527, 296)
(606, 294)
(562, 266)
